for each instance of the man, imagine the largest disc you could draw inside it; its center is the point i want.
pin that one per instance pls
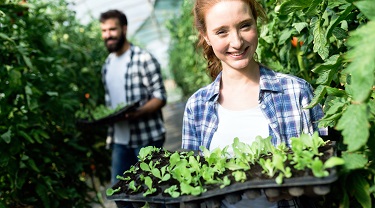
(131, 74)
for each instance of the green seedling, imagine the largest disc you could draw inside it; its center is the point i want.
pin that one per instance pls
(132, 170)
(172, 191)
(237, 164)
(133, 187)
(320, 170)
(181, 172)
(278, 160)
(268, 167)
(301, 159)
(239, 176)
(208, 174)
(161, 174)
(174, 159)
(188, 189)
(148, 183)
(118, 177)
(225, 182)
(146, 152)
(110, 191)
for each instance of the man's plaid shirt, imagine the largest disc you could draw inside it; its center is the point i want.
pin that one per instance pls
(143, 81)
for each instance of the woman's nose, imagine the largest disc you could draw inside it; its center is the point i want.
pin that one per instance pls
(236, 40)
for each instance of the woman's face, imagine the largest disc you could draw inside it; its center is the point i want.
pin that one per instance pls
(232, 33)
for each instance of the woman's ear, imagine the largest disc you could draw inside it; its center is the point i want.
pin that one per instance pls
(206, 39)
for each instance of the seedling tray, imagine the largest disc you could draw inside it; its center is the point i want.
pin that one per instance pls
(234, 188)
(303, 180)
(110, 119)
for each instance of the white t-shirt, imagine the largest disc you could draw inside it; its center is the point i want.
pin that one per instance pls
(115, 81)
(246, 125)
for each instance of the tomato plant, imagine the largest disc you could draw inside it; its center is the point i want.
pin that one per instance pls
(49, 62)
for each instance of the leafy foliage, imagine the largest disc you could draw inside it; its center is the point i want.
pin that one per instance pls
(49, 69)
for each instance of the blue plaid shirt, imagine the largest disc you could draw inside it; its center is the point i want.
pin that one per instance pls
(143, 81)
(282, 99)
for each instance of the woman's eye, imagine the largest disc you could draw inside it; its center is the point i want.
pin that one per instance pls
(219, 32)
(246, 25)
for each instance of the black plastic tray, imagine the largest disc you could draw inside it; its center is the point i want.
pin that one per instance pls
(112, 118)
(254, 184)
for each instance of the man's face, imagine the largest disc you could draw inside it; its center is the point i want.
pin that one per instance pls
(113, 34)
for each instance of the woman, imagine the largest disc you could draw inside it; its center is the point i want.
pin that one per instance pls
(245, 99)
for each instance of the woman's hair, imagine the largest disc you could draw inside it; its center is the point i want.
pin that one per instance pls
(200, 9)
(110, 14)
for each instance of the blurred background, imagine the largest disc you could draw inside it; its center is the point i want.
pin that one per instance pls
(146, 21)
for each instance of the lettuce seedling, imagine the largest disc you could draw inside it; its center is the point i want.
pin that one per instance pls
(110, 191)
(118, 177)
(173, 160)
(239, 175)
(278, 160)
(225, 182)
(208, 174)
(172, 191)
(301, 159)
(319, 168)
(162, 174)
(148, 183)
(133, 187)
(188, 189)
(268, 167)
(146, 152)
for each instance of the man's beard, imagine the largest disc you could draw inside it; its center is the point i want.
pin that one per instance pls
(115, 47)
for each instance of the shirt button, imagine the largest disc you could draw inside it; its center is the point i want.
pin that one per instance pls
(264, 106)
(274, 125)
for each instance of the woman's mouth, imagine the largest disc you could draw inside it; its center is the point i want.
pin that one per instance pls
(238, 53)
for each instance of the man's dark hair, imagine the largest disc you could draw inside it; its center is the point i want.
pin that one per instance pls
(114, 14)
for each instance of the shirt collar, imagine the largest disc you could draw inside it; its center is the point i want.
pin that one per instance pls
(268, 82)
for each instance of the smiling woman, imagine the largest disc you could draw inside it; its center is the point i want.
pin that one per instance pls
(255, 99)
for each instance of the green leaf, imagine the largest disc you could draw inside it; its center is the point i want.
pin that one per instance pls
(333, 161)
(144, 166)
(26, 136)
(300, 26)
(328, 69)
(110, 191)
(156, 172)
(354, 160)
(362, 64)
(360, 187)
(312, 9)
(367, 7)
(42, 192)
(293, 5)
(355, 129)
(32, 164)
(7, 136)
(285, 36)
(319, 94)
(343, 16)
(320, 42)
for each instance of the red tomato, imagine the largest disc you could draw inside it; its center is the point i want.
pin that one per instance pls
(294, 42)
